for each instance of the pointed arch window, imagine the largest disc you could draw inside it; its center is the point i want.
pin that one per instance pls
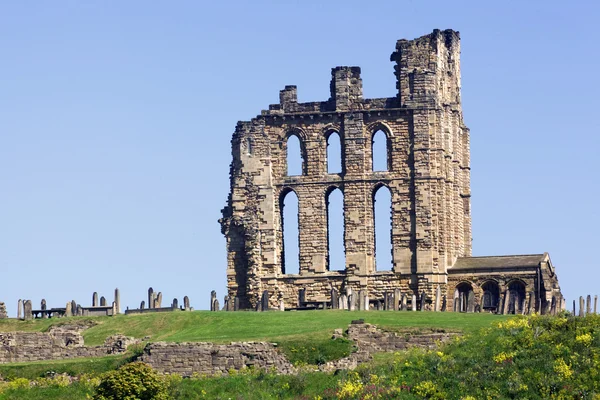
(382, 217)
(290, 254)
(380, 151)
(334, 153)
(336, 256)
(296, 164)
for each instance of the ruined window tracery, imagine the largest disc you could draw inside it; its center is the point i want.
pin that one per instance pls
(334, 153)
(382, 219)
(336, 258)
(290, 255)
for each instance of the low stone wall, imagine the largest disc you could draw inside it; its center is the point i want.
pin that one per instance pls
(214, 359)
(59, 343)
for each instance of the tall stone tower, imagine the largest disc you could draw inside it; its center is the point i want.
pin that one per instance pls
(428, 176)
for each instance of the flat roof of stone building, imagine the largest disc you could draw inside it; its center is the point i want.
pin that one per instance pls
(492, 262)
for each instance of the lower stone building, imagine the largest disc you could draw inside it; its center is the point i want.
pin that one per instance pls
(426, 172)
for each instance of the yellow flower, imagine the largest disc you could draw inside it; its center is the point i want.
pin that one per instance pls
(585, 339)
(562, 368)
(503, 357)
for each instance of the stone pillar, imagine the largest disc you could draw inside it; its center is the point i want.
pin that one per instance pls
(531, 306)
(506, 302)
(43, 305)
(413, 305)
(102, 301)
(95, 299)
(27, 315)
(150, 297)
(216, 305)
(397, 300)
(423, 299)
(3, 314)
(444, 303)
(574, 308)
(386, 300)
(114, 308)
(344, 302)
(471, 301)
(74, 307)
(118, 300)
(301, 297)
(438, 295)
(68, 310)
(20, 309)
(79, 310)
(226, 303)
(361, 300)
(351, 302)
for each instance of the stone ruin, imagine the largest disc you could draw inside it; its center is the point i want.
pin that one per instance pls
(427, 175)
(3, 313)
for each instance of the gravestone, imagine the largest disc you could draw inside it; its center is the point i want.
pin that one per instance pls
(343, 302)
(397, 300)
(574, 308)
(213, 297)
(595, 304)
(158, 302)
(186, 302)
(334, 299)
(142, 305)
(150, 297)
(20, 309)
(114, 308)
(226, 303)
(351, 302)
(79, 310)
(43, 304)
(216, 305)
(423, 299)
(444, 303)
(74, 307)
(118, 300)
(581, 306)
(588, 306)
(27, 315)
(301, 297)
(102, 301)
(3, 314)
(68, 310)
(386, 300)
(95, 299)
(531, 306)
(404, 302)
(378, 305)
(506, 303)
(471, 301)
(361, 300)
(265, 300)
(413, 305)
(236, 304)
(175, 303)
(438, 298)
(367, 308)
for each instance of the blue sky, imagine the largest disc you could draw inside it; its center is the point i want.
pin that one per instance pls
(116, 119)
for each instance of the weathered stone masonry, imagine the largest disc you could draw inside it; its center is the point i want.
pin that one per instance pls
(428, 176)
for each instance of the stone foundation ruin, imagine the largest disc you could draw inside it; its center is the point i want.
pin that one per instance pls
(427, 175)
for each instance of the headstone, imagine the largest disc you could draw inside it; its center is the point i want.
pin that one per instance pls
(397, 300)
(142, 305)
(595, 304)
(226, 303)
(531, 306)
(423, 299)
(43, 304)
(574, 308)
(581, 306)
(3, 314)
(506, 302)
(217, 305)
(158, 302)
(343, 302)
(404, 302)
(236, 304)
(102, 301)
(20, 309)
(68, 310)
(118, 300)
(114, 308)
(386, 300)
(378, 305)
(366, 307)
(265, 300)
(150, 297)
(27, 315)
(444, 303)
(438, 298)
(154, 300)
(334, 299)
(471, 301)
(95, 299)
(351, 302)
(301, 297)
(281, 305)
(79, 310)
(186, 302)
(361, 300)
(413, 305)
(175, 303)
(588, 305)
(213, 297)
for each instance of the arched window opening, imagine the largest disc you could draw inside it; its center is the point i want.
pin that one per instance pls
(380, 151)
(290, 257)
(336, 255)
(491, 296)
(295, 159)
(382, 210)
(334, 153)
(516, 297)
(464, 298)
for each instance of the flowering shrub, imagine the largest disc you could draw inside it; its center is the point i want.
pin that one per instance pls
(135, 381)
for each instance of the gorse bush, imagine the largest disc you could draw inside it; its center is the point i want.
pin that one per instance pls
(135, 381)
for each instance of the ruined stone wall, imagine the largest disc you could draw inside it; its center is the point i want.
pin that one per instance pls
(428, 178)
(58, 344)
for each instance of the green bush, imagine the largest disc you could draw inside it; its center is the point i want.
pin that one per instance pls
(135, 381)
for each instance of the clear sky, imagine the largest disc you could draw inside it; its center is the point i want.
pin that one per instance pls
(116, 119)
